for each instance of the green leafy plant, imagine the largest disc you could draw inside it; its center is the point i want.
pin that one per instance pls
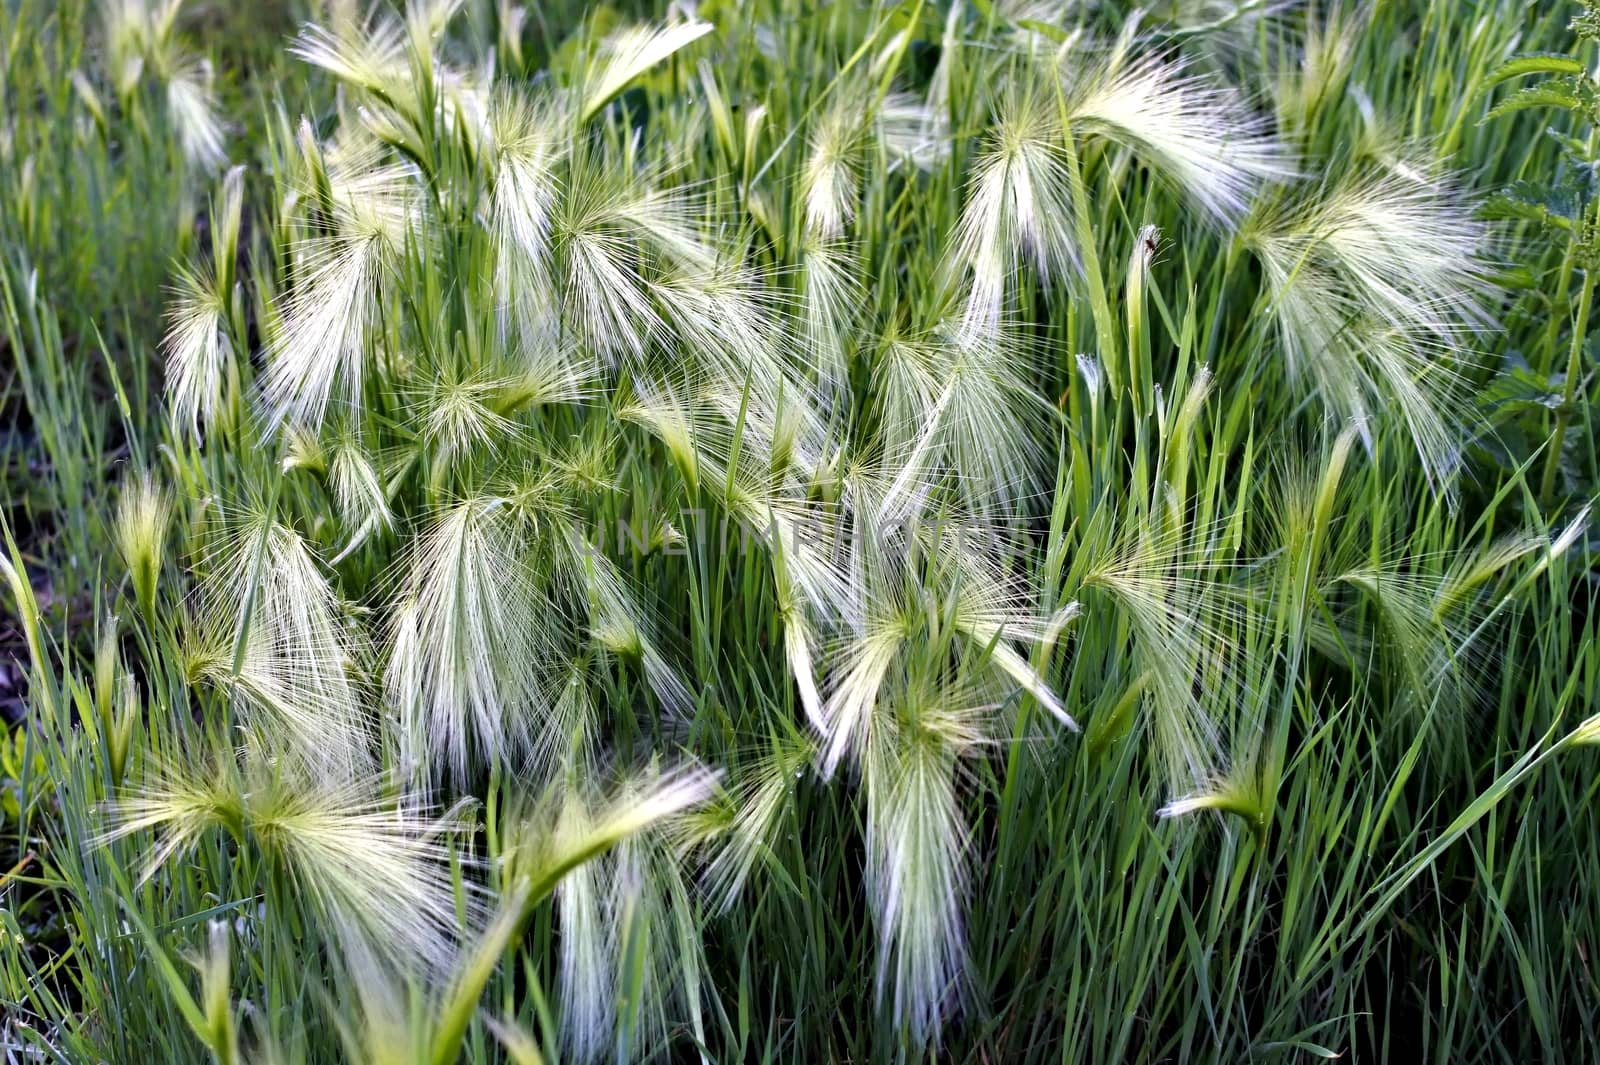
(1561, 208)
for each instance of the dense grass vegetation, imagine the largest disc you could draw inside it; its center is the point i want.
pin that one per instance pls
(785, 531)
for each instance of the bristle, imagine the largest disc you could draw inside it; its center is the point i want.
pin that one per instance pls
(482, 627)
(916, 841)
(1377, 283)
(1018, 203)
(630, 52)
(299, 662)
(376, 877)
(1200, 136)
(193, 105)
(828, 184)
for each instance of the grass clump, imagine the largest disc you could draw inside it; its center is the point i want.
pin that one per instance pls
(894, 531)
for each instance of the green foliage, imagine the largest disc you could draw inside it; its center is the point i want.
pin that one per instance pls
(19, 763)
(1562, 207)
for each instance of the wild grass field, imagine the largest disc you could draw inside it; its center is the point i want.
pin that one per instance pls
(762, 530)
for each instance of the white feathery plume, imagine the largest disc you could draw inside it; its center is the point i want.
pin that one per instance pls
(830, 181)
(185, 802)
(630, 52)
(192, 105)
(797, 643)
(862, 669)
(668, 222)
(322, 338)
(404, 695)
(722, 318)
(763, 794)
(962, 403)
(128, 33)
(197, 350)
(663, 409)
(371, 57)
(566, 743)
(428, 18)
(323, 332)
(425, 21)
(140, 532)
(654, 799)
(465, 103)
(482, 629)
(357, 490)
(1188, 805)
(830, 299)
(300, 660)
(1019, 201)
(458, 415)
(1176, 617)
(1432, 613)
(634, 268)
(695, 421)
(526, 151)
(990, 431)
(395, 64)
(385, 879)
(912, 131)
(1412, 249)
(603, 295)
(1035, 26)
(588, 945)
(1201, 136)
(535, 851)
(1318, 67)
(522, 203)
(621, 624)
(370, 191)
(1313, 312)
(912, 399)
(614, 234)
(993, 608)
(916, 842)
(659, 933)
(809, 535)
(378, 876)
(141, 40)
(1377, 284)
(195, 344)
